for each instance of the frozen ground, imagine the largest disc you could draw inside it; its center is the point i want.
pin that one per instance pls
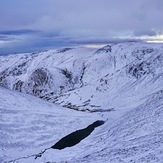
(28, 125)
(120, 84)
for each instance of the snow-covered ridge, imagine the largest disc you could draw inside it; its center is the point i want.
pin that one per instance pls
(86, 78)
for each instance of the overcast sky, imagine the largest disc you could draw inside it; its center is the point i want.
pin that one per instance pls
(30, 25)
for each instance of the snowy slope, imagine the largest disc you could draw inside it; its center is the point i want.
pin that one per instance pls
(121, 83)
(28, 125)
(27, 128)
(136, 137)
(44, 72)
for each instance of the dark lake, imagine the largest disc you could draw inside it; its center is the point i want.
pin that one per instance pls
(75, 137)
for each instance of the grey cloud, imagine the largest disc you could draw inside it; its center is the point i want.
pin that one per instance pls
(84, 17)
(145, 33)
(67, 20)
(18, 32)
(100, 41)
(5, 38)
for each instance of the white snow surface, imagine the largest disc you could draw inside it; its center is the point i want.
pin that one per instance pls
(28, 124)
(120, 84)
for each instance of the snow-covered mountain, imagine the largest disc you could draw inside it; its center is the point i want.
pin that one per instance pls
(85, 78)
(121, 83)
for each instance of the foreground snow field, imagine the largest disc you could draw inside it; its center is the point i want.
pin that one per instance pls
(120, 84)
(28, 125)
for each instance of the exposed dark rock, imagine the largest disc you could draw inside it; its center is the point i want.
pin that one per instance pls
(105, 49)
(40, 77)
(18, 85)
(139, 53)
(64, 50)
(140, 69)
(67, 73)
